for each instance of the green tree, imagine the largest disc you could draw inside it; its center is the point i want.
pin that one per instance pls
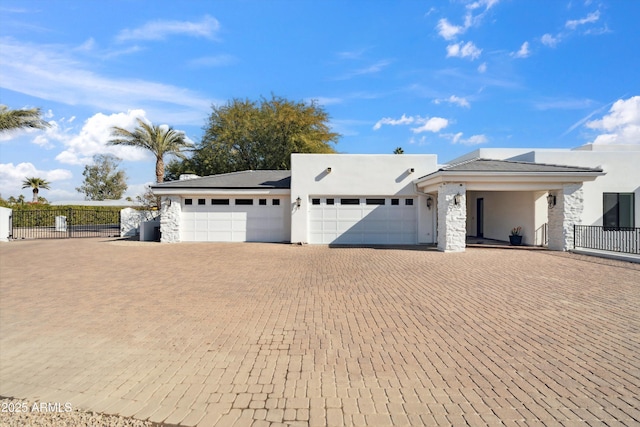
(398, 150)
(103, 180)
(36, 184)
(159, 140)
(250, 135)
(21, 119)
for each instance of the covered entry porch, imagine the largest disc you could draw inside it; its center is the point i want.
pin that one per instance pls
(489, 198)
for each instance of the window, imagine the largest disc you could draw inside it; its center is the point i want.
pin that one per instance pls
(349, 201)
(330, 201)
(395, 202)
(275, 202)
(244, 201)
(202, 201)
(219, 201)
(188, 201)
(408, 202)
(315, 201)
(618, 210)
(375, 201)
(262, 202)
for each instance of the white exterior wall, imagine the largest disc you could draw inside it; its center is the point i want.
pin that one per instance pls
(5, 226)
(622, 176)
(503, 211)
(130, 220)
(352, 175)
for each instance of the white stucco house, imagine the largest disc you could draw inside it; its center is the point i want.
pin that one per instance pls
(411, 199)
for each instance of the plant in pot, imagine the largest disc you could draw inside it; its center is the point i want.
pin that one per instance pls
(516, 236)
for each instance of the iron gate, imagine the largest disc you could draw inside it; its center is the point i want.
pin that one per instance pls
(64, 223)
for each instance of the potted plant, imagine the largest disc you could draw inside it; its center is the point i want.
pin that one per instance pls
(516, 236)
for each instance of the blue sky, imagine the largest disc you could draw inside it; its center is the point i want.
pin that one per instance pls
(442, 77)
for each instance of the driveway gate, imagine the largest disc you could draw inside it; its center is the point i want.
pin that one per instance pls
(64, 223)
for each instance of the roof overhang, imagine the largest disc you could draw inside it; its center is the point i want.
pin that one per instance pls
(504, 181)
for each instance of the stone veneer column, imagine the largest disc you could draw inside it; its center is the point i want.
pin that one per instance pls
(170, 219)
(452, 218)
(564, 215)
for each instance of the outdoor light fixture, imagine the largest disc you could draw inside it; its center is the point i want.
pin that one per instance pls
(411, 170)
(456, 199)
(168, 200)
(551, 200)
(429, 202)
(328, 170)
(298, 202)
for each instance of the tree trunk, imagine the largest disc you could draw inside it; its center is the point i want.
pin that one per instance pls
(159, 170)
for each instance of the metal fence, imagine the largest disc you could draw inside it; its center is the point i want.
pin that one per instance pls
(625, 240)
(64, 223)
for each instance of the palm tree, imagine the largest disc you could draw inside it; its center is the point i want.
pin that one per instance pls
(36, 184)
(398, 150)
(160, 140)
(21, 119)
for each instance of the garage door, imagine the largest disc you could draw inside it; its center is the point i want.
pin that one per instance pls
(362, 220)
(234, 220)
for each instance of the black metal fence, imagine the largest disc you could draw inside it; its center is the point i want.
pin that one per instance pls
(64, 223)
(625, 240)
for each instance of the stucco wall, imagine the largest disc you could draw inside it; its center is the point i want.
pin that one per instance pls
(622, 176)
(352, 175)
(5, 226)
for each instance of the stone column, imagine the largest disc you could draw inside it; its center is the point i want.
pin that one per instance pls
(452, 218)
(567, 212)
(170, 219)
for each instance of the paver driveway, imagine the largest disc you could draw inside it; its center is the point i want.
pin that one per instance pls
(265, 334)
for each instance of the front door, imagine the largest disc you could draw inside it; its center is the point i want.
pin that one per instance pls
(480, 217)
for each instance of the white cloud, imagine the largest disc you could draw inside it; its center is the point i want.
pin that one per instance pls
(95, 134)
(549, 40)
(51, 72)
(621, 125)
(434, 124)
(590, 18)
(159, 30)
(419, 141)
(11, 177)
(523, 52)
(404, 120)
(468, 50)
(449, 31)
(461, 102)
(371, 69)
(472, 140)
(482, 68)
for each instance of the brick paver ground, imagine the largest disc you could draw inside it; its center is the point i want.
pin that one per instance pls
(272, 335)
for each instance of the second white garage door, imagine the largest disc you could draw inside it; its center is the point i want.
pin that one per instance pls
(234, 220)
(362, 220)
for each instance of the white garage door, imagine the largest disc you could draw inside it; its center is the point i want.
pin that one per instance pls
(234, 220)
(362, 220)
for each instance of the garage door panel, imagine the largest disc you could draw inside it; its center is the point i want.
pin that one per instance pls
(362, 224)
(234, 223)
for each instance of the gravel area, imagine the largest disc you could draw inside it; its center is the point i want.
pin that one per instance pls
(19, 413)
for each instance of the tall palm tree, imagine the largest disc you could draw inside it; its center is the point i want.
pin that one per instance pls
(36, 184)
(160, 140)
(21, 119)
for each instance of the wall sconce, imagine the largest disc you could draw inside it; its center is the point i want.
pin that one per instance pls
(168, 200)
(328, 170)
(551, 200)
(429, 202)
(298, 202)
(456, 199)
(412, 170)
